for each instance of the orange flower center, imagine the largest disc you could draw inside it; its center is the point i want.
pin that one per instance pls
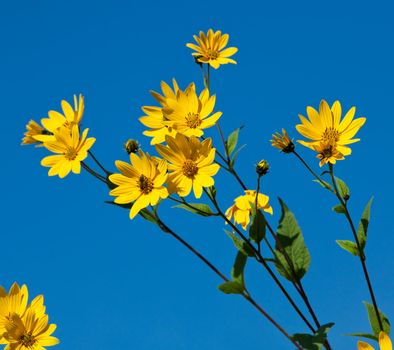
(212, 54)
(145, 184)
(27, 340)
(71, 153)
(190, 168)
(193, 120)
(330, 135)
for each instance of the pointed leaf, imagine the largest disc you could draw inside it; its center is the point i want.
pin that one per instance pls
(363, 226)
(363, 335)
(339, 209)
(232, 141)
(231, 287)
(373, 319)
(324, 184)
(315, 341)
(240, 244)
(258, 227)
(342, 188)
(196, 208)
(349, 246)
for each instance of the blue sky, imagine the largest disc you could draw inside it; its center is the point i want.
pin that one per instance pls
(112, 283)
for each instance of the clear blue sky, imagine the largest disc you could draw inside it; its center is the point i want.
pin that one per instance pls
(110, 283)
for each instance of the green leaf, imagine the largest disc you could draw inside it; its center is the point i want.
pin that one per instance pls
(125, 206)
(291, 240)
(147, 215)
(342, 188)
(231, 287)
(339, 209)
(324, 184)
(232, 161)
(258, 227)
(373, 320)
(363, 225)
(315, 341)
(240, 244)
(363, 335)
(232, 140)
(196, 208)
(349, 246)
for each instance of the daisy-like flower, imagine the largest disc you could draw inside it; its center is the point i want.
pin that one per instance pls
(30, 332)
(55, 120)
(327, 127)
(327, 153)
(243, 207)
(190, 164)
(12, 303)
(33, 129)
(155, 118)
(282, 142)
(210, 48)
(141, 182)
(190, 114)
(70, 148)
(384, 343)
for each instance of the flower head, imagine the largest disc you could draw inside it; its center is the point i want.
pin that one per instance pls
(33, 129)
(141, 182)
(189, 114)
(210, 48)
(326, 129)
(12, 303)
(190, 164)
(30, 331)
(283, 142)
(70, 148)
(56, 120)
(384, 343)
(243, 207)
(155, 118)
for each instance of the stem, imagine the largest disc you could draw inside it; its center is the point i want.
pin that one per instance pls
(261, 260)
(191, 206)
(92, 172)
(98, 163)
(245, 294)
(360, 251)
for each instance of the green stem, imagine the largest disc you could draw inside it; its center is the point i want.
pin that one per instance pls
(361, 254)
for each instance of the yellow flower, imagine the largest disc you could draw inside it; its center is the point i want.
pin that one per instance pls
(12, 303)
(190, 164)
(140, 183)
(326, 127)
(56, 119)
(243, 205)
(155, 118)
(189, 114)
(33, 129)
(283, 142)
(210, 48)
(327, 153)
(30, 332)
(71, 149)
(384, 343)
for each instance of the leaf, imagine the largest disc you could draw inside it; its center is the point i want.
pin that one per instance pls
(235, 155)
(324, 184)
(349, 246)
(291, 240)
(258, 227)
(240, 244)
(373, 320)
(363, 335)
(125, 206)
(315, 341)
(343, 189)
(232, 140)
(363, 225)
(196, 208)
(237, 285)
(231, 287)
(339, 209)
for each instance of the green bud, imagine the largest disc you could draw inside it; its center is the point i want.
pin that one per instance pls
(131, 146)
(262, 167)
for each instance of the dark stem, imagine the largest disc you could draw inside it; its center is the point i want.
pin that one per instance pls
(245, 294)
(98, 163)
(92, 172)
(360, 250)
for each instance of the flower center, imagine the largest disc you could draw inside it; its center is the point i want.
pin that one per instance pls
(190, 169)
(145, 184)
(212, 54)
(71, 153)
(327, 152)
(27, 340)
(193, 120)
(330, 135)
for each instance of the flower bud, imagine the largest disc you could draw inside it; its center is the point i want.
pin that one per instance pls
(131, 146)
(262, 167)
